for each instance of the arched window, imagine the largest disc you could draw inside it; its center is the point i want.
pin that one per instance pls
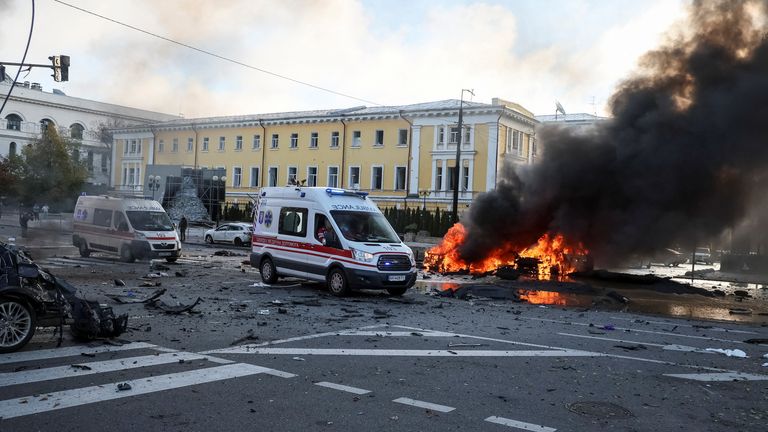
(13, 122)
(76, 131)
(12, 149)
(44, 124)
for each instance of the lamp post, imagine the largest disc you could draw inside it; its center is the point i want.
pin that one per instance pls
(424, 194)
(216, 180)
(457, 174)
(153, 183)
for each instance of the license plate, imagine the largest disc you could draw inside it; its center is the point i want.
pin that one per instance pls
(164, 254)
(397, 278)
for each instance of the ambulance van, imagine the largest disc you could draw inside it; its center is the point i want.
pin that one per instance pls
(131, 228)
(328, 234)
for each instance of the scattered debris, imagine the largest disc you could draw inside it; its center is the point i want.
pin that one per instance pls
(282, 310)
(741, 293)
(158, 266)
(460, 345)
(84, 354)
(148, 284)
(618, 297)
(729, 352)
(175, 310)
(608, 327)
(131, 299)
(298, 359)
(381, 313)
(119, 282)
(756, 341)
(740, 311)
(124, 387)
(81, 367)
(312, 302)
(632, 347)
(250, 335)
(263, 312)
(180, 274)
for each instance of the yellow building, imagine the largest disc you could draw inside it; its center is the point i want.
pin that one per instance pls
(402, 155)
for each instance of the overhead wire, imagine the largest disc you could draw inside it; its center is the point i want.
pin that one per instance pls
(213, 54)
(23, 58)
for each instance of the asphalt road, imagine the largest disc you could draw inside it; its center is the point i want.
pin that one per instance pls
(290, 357)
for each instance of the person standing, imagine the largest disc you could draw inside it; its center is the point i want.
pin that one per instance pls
(45, 209)
(183, 228)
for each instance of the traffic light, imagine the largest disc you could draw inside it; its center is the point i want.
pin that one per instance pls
(2, 73)
(60, 67)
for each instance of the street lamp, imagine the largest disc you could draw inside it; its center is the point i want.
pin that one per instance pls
(457, 174)
(424, 194)
(153, 184)
(216, 180)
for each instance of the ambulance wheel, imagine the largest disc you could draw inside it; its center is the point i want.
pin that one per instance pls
(126, 255)
(238, 242)
(17, 324)
(397, 291)
(83, 248)
(337, 282)
(268, 271)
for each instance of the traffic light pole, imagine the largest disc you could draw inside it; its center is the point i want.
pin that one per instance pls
(59, 64)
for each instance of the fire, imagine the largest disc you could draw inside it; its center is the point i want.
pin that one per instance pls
(553, 254)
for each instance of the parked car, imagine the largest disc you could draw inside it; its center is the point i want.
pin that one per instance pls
(669, 257)
(237, 233)
(703, 255)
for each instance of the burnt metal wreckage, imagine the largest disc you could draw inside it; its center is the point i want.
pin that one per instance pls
(32, 297)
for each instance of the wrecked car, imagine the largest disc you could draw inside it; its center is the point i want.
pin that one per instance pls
(31, 297)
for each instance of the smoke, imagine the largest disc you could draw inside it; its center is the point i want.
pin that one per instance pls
(682, 160)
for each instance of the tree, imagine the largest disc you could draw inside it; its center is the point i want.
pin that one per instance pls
(11, 170)
(105, 136)
(51, 173)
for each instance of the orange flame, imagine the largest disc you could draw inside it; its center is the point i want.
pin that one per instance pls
(554, 252)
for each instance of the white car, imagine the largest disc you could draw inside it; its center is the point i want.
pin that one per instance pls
(236, 233)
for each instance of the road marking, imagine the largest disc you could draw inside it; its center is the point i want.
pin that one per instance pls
(728, 376)
(348, 389)
(519, 424)
(638, 331)
(89, 368)
(411, 353)
(70, 398)
(673, 347)
(25, 356)
(425, 405)
(717, 329)
(395, 334)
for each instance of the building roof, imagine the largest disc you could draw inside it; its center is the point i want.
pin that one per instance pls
(570, 118)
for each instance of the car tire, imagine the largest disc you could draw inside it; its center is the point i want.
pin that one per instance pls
(238, 242)
(337, 282)
(126, 255)
(171, 260)
(21, 321)
(209, 239)
(83, 249)
(268, 271)
(397, 291)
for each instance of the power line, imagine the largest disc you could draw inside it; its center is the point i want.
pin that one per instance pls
(23, 59)
(212, 54)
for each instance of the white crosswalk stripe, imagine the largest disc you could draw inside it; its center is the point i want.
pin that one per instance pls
(64, 262)
(60, 364)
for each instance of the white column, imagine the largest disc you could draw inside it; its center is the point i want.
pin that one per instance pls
(493, 154)
(413, 187)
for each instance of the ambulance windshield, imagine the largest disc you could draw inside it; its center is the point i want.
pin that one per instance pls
(149, 221)
(368, 227)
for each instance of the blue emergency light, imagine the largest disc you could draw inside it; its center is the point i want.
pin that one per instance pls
(344, 192)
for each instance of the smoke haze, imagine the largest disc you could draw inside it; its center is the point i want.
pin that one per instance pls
(682, 159)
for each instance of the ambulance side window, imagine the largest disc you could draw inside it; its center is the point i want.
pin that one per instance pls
(293, 221)
(121, 223)
(102, 217)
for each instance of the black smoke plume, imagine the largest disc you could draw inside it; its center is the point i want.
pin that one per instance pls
(680, 161)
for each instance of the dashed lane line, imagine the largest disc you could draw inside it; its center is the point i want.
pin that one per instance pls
(519, 425)
(708, 328)
(668, 347)
(341, 387)
(727, 376)
(425, 405)
(410, 353)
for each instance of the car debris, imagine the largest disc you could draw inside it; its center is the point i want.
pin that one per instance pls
(123, 387)
(119, 282)
(249, 335)
(130, 299)
(173, 310)
(81, 367)
(729, 352)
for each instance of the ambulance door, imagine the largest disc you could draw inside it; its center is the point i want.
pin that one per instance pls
(326, 246)
(291, 251)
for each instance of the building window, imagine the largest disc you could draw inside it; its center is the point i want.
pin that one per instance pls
(13, 122)
(256, 142)
(272, 176)
(377, 177)
(440, 136)
(133, 146)
(334, 139)
(138, 146)
(439, 178)
(333, 176)
(465, 178)
(379, 138)
(175, 145)
(354, 177)
(400, 178)
(254, 177)
(190, 144)
(294, 140)
(356, 138)
(104, 163)
(206, 140)
(454, 135)
(237, 177)
(76, 131)
(222, 143)
(90, 161)
(160, 146)
(313, 140)
(125, 147)
(514, 142)
(402, 137)
(238, 143)
(311, 176)
(275, 140)
(292, 174)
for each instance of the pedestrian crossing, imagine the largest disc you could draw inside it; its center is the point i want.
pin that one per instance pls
(67, 262)
(53, 373)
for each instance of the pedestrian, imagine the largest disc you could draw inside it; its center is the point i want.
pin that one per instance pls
(183, 228)
(35, 212)
(24, 217)
(45, 211)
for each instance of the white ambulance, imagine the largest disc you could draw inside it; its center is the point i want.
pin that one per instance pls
(131, 228)
(328, 234)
